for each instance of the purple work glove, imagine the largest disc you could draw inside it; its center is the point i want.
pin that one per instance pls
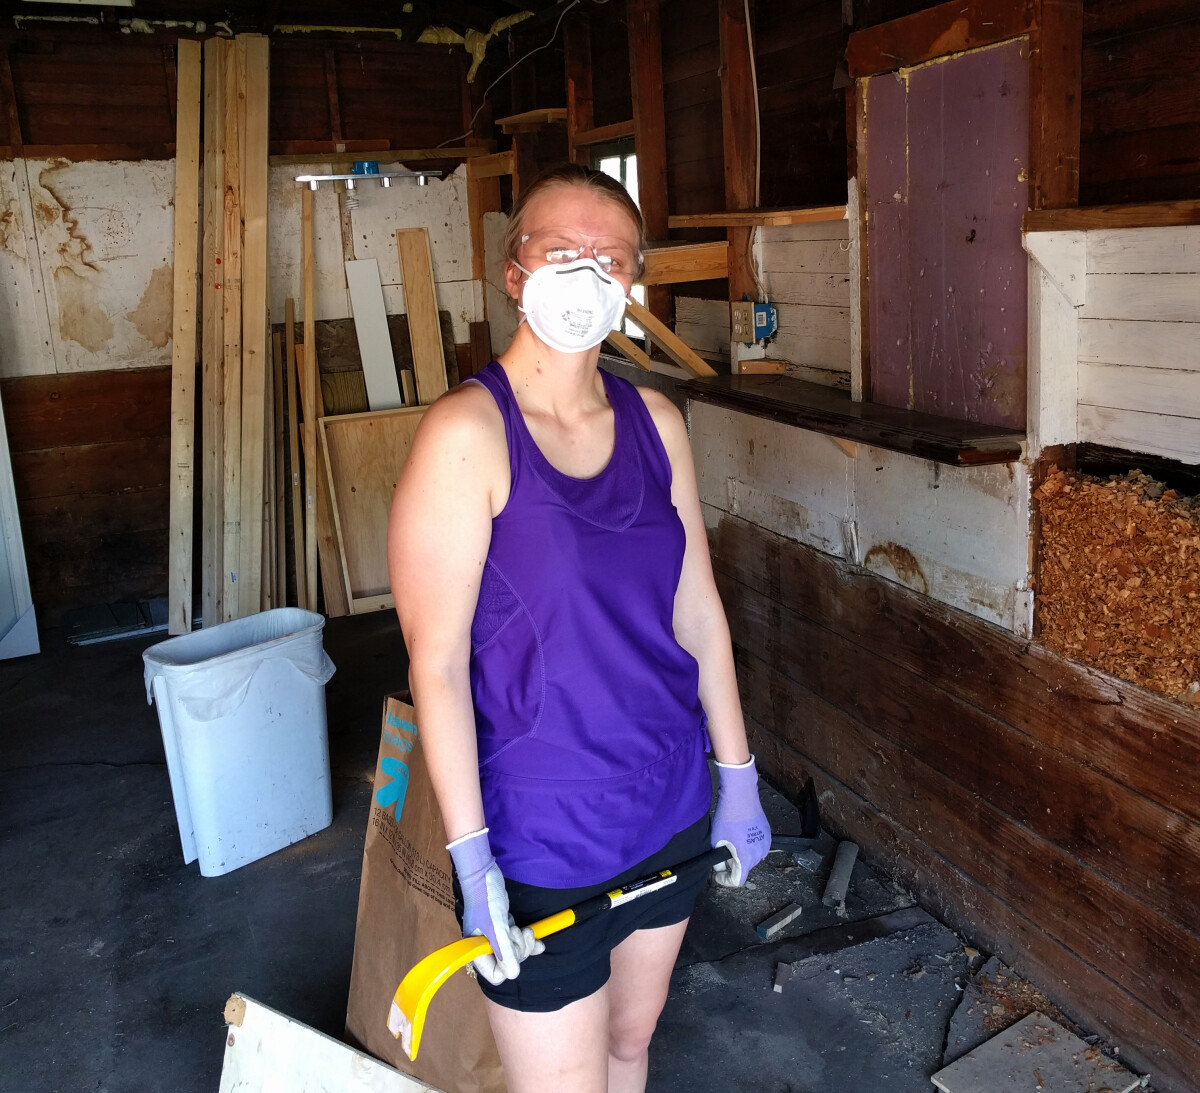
(740, 822)
(485, 909)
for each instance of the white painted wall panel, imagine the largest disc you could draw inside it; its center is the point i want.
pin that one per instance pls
(1144, 250)
(796, 483)
(1157, 434)
(1169, 391)
(105, 240)
(814, 336)
(284, 245)
(704, 325)
(1140, 343)
(1167, 297)
(957, 534)
(26, 348)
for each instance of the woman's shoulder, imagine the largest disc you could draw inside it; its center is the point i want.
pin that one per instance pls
(464, 424)
(665, 415)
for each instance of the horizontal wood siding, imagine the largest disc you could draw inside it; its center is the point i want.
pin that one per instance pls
(805, 270)
(90, 455)
(1141, 101)
(1047, 810)
(1139, 342)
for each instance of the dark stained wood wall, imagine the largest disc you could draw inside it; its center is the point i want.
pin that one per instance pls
(107, 95)
(90, 455)
(797, 45)
(612, 95)
(1141, 101)
(1048, 811)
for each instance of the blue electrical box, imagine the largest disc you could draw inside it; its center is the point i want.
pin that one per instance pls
(766, 321)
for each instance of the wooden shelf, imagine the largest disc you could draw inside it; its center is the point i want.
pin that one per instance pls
(532, 119)
(673, 263)
(830, 411)
(602, 134)
(1160, 214)
(753, 218)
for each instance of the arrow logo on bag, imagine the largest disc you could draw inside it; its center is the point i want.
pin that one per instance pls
(392, 793)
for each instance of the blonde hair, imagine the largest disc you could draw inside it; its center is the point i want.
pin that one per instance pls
(573, 174)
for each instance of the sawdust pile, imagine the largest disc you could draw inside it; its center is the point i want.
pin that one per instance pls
(1119, 583)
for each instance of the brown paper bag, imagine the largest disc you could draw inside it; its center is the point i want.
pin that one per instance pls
(405, 912)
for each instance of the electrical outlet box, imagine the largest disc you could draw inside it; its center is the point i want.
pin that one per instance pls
(741, 321)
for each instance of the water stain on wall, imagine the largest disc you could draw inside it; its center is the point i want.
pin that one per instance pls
(153, 317)
(902, 561)
(81, 319)
(10, 229)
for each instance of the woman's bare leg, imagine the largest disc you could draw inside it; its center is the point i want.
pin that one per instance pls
(637, 990)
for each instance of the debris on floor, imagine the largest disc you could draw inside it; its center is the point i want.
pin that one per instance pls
(1119, 579)
(1035, 1054)
(769, 928)
(839, 876)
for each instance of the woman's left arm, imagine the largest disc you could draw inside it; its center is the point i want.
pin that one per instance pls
(702, 629)
(700, 623)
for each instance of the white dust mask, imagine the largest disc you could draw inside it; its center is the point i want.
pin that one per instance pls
(572, 306)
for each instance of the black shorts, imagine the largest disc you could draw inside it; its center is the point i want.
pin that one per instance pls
(576, 961)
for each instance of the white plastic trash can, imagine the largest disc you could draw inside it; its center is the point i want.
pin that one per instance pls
(241, 706)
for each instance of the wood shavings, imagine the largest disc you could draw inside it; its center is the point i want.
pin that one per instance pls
(1119, 582)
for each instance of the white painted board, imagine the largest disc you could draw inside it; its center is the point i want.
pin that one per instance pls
(1035, 1054)
(1140, 343)
(25, 344)
(270, 1053)
(1144, 250)
(374, 342)
(1168, 435)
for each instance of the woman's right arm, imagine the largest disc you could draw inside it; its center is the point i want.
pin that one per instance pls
(438, 537)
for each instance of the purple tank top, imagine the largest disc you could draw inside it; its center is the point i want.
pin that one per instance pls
(591, 733)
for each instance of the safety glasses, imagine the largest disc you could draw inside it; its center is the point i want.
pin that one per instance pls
(561, 245)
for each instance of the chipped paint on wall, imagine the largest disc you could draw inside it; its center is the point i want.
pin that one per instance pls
(25, 343)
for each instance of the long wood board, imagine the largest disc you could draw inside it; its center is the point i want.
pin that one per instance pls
(308, 390)
(254, 65)
(183, 346)
(213, 339)
(364, 454)
(371, 329)
(424, 326)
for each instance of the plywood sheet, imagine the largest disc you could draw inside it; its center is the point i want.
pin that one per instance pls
(364, 455)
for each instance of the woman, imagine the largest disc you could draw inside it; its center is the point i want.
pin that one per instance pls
(568, 651)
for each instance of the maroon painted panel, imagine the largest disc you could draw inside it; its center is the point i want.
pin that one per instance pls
(887, 239)
(968, 163)
(954, 262)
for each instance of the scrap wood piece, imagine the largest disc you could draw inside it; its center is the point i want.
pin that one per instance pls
(839, 876)
(424, 325)
(668, 341)
(266, 1050)
(324, 542)
(783, 974)
(371, 330)
(183, 345)
(364, 454)
(307, 374)
(629, 349)
(1035, 1054)
(770, 927)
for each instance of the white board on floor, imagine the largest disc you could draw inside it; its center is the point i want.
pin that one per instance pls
(374, 342)
(266, 1052)
(1035, 1053)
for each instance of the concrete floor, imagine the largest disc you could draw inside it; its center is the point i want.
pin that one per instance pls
(116, 959)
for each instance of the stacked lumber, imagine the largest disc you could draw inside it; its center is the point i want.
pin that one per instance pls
(1119, 579)
(239, 430)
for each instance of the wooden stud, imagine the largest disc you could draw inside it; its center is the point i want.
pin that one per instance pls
(183, 345)
(424, 325)
(491, 166)
(232, 299)
(667, 341)
(650, 130)
(254, 57)
(577, 49)
(1055, 95)
(308, 389)
(483, 196)
(860, 379)
(292, 375)
(740, 142)
(213, 337)
(481, 347)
